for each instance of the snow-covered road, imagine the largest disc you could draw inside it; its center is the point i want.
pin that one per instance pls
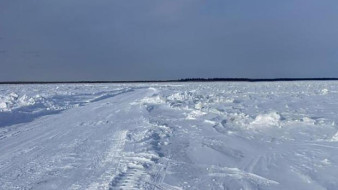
(169, 136)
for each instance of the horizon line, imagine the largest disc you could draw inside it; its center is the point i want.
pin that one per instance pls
(176, 80)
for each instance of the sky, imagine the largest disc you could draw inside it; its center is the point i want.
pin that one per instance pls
(62, 40)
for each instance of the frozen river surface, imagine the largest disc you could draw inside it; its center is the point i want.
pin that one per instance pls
(250, 136)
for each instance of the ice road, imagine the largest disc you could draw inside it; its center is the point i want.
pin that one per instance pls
(220, 135)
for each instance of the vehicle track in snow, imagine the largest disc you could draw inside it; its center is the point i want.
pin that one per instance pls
(75, 149)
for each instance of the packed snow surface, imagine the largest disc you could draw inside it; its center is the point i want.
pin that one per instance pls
(279, 135)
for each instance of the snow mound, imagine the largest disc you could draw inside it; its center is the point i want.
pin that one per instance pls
(324, 91)
(153, 100)
(334, 138)
(199, 106)
(267, 120)
(179, 96)
(3, 105)
(13, 101)
(307, 120)
(195, 114)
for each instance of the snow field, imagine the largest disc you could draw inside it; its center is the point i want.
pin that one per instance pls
(280, 135)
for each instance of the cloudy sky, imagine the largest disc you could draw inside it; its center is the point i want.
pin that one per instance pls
(167, 39)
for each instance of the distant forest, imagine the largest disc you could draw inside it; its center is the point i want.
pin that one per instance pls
(178, 80)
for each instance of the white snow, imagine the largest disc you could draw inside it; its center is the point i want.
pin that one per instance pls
(335, 137)
(249, 136)
(267, 120)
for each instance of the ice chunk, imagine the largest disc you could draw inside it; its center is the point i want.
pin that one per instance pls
(13, 95)
(269, 119)
(3, 106)
(153, 100)
(199, 106)
(324, 91)
(334, 138)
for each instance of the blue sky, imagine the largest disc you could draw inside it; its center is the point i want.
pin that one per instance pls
(167, 39)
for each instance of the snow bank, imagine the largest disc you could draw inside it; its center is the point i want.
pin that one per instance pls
(13, 101)
(26, 104)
